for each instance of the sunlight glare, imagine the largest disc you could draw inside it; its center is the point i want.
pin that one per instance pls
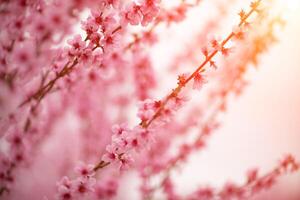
(291, 5)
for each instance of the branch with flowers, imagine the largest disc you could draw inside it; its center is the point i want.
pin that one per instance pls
(62, 95)
(219, 99)
(151, 111)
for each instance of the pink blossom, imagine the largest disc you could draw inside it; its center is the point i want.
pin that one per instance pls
(110, 154)
(82, 187)
(64, 194)
(150, 37)
(252, 175)
(97, 57)
(168, 188)
(24, 56)
(90, 26)
(120, 129)
(15, 139)
(65, 182)
(109, 23)
(238, 33)
(77, 45)
(86, 56)
(205, 51)
(111, 41)
(146, 110)
(199, 81)
(40, 28)
(65, 187)
(95, 38)
(203, 193)
(132, 14)
(145, 136)
(126, 162)
(85, 170)
(231, 191)
(216, 44)
(150, 10)
(134, 142)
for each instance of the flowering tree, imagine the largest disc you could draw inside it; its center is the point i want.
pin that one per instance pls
(56, 83)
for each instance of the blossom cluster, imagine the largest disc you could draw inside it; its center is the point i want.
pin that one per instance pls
(254, 183)
(71, 94)
(68, 189)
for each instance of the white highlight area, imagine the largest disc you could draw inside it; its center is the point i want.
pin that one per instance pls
(291, 5)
